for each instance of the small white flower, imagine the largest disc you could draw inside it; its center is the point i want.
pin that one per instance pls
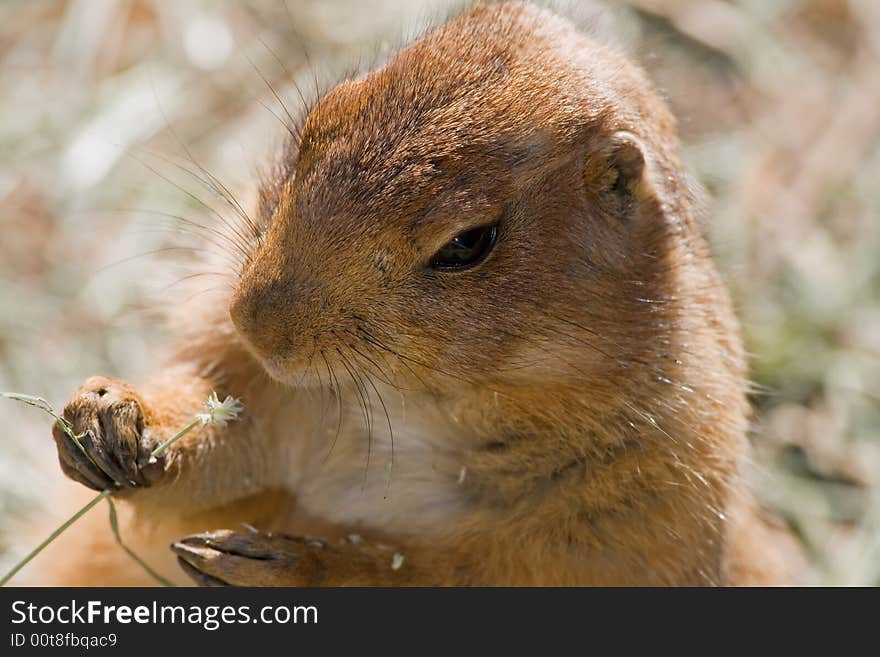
(217, 412)
(396, 561)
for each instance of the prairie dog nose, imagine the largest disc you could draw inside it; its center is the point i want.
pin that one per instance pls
(262, 313)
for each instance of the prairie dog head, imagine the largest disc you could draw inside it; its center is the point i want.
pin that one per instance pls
(496, 204)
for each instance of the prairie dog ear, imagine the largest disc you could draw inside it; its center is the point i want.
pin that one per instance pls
(618, 172)
(628, 159)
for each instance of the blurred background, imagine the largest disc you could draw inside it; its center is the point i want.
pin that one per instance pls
(105, 105)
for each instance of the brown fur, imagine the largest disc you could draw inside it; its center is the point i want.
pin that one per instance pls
(571, 411)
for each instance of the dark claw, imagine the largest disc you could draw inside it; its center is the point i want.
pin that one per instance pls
(79, 467)
(110, 468)
(199, 577)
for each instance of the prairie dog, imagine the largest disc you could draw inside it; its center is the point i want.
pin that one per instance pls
(479, 338)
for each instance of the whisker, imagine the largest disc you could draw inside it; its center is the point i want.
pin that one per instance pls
(241, 248)
(206, 291)
(217, 189)
(362, 395)
(334, 382)
(290, 77)
(390, 432)
(145, 254)
(216, 185)
(200, 231)
(292, 126)
(305, 51)
(188, 277)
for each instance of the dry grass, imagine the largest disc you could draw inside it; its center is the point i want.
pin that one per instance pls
(779, 105)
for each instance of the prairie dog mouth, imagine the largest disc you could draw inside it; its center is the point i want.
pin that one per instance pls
(284, 372)
(301, 374)
(274, 366)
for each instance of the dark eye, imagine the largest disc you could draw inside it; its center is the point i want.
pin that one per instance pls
(465, 250)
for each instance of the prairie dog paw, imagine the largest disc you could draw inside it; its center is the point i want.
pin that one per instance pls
(108, 418)
(228, 558)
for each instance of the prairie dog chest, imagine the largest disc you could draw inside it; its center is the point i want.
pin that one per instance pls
(397, 467)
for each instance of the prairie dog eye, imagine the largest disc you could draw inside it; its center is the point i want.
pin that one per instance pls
(466, 249)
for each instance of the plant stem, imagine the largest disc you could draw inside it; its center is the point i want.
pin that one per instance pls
(114, 525)
(180, 434)
(76, 516)
(105, 495)
(217, 412)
